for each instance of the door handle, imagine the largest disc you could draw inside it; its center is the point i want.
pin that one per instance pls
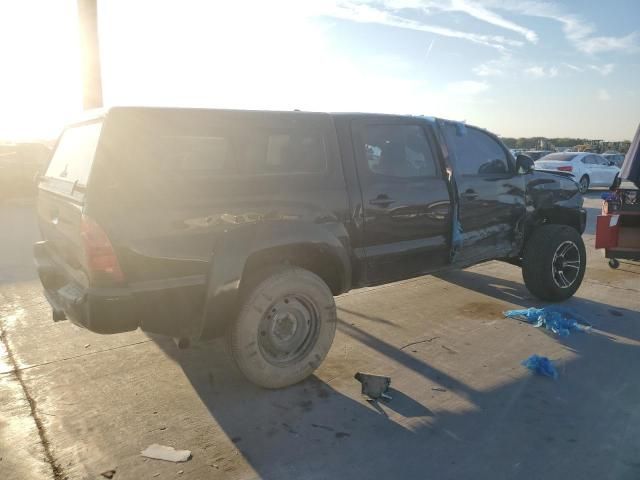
(55, 215)
(381, 201)
(469, 195)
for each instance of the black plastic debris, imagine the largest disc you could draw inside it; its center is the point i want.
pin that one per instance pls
(374, 386)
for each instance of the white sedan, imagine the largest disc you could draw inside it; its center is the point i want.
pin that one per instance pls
(588, 169)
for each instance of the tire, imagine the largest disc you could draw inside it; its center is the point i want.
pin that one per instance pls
(584, 184)
(554, 262)
(614, 263)
(285, 327)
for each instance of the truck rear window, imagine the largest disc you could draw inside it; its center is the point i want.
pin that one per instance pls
(74, 154)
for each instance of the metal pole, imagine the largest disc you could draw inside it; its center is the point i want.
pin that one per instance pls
(90, 54)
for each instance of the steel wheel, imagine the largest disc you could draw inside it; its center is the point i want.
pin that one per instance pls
(565, 265)
(285, 326)
(288, 330)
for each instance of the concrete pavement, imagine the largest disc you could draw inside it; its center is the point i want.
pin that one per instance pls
(75, 404)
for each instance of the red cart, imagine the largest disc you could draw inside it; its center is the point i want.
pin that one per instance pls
(618, 228)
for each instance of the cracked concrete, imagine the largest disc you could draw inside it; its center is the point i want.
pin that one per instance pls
(462, 406)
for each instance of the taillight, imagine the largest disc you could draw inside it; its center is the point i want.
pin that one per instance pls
(565, 169)
(102, 262)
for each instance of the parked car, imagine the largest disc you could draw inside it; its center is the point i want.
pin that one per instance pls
(203, 223)
(616, 158)
(589, 169)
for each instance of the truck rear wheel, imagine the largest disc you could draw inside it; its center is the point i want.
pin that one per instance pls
(554, 262)
(285, 327)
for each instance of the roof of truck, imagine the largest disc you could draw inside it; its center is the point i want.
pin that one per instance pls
(91, 115)
(101, 112)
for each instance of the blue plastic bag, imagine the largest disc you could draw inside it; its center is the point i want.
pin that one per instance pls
(559, 320)
(541, 366)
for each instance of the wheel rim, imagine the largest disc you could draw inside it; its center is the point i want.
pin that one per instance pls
(288, 330)
(584, 184)
(565, 266)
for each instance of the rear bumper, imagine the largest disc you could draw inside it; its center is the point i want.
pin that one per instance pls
(167, 307)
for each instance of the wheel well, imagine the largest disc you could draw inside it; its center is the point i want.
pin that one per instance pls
(554, 217)
(313, 258)
(559, 218)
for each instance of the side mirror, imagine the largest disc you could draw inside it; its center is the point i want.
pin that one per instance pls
(524, 164)
(612, 164)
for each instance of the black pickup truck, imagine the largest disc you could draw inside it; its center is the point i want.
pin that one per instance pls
(198, 223)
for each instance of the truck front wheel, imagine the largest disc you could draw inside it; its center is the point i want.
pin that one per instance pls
(554, 262)
(285, 327)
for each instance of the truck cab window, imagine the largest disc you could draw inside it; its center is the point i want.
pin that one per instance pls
(398, 151)
(476, 152)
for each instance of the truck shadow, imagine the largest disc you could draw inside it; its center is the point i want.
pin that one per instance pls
(579, 426)
(603, 317)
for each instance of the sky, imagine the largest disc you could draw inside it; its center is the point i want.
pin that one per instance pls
(515, 67)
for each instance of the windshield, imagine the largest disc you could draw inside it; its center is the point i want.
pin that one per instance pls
(560, 157)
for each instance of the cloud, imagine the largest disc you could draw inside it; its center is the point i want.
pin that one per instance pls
(541, 72)
(488, 69)
(366, 13)
(574, 67)
(605, 44)
(478, 11)
(473, 8)
(603, 95)
(467, 87)
(603, 70)
(580, 33)
(496, 67)
(577, 31)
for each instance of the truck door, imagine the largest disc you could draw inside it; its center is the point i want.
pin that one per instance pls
(492, 196)
(405, 199)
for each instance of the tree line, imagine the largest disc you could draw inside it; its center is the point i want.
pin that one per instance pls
(533, 143)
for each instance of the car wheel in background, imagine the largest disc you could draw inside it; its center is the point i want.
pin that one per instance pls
(285, 327)
(584, 184)
(554, 262)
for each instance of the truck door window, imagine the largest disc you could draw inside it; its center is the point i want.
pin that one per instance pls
(476, 152)
(398, 151)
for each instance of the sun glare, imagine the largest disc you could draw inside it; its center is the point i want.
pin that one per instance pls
(40, 80)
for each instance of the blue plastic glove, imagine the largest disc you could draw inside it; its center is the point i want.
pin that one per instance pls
(541, 366)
